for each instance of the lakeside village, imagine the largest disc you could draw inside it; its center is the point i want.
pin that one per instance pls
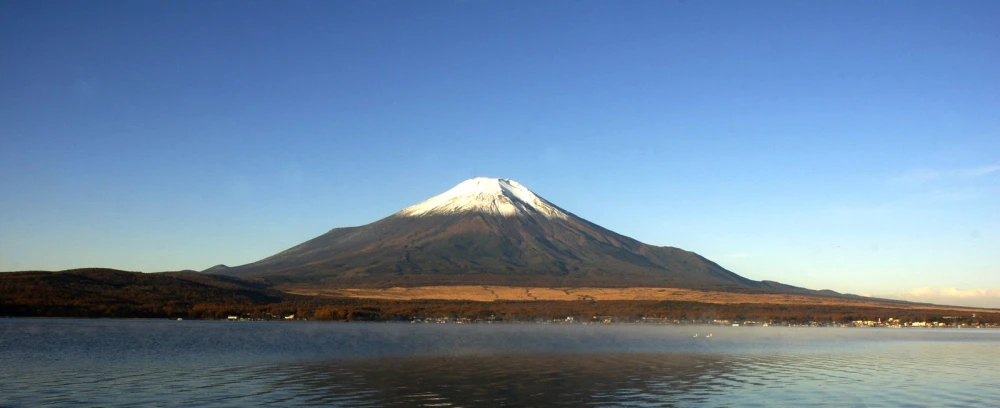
(944, 322)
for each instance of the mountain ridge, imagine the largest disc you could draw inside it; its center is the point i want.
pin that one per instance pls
(491, 232)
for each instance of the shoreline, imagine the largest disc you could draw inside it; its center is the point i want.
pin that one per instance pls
(499, 293)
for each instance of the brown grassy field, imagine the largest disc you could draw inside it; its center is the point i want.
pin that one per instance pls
(511, 293)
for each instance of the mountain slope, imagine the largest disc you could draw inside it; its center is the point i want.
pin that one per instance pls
(489, 231)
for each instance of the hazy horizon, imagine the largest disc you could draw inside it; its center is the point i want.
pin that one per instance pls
(851, 146)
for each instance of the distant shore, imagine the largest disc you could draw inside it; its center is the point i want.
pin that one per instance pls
(105, 293)
(490, 293)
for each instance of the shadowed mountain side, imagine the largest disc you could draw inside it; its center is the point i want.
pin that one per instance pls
(482, 249)
(488, 231)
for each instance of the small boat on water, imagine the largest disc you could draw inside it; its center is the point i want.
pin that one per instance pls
(709, 335)
(695, 335)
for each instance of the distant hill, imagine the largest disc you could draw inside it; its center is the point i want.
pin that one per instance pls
(217, 269)
(107, 292)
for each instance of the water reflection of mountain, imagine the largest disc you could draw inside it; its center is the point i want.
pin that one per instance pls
(513, 380)
(632, 379)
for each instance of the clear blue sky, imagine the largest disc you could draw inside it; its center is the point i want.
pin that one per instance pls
(849, 145)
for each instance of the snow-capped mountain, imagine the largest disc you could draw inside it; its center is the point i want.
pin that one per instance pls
(492, 232)
(497, 197)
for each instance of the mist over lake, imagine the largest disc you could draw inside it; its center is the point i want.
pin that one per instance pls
(62, 362)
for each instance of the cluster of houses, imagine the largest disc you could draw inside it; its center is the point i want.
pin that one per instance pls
(459, 320)
(947, 321)
(888, 323)
(445, 320)
(950, 321)
(248, 318)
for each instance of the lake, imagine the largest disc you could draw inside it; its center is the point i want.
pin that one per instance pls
(66, 362)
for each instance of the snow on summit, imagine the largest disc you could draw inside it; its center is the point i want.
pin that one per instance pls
(502, 197)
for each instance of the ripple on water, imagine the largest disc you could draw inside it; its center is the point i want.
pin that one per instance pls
(121, 363)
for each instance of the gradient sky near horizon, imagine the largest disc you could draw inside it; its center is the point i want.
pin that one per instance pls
(849, 145)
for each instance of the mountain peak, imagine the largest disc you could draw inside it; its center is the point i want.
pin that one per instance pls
(495, 196)
(489, 231)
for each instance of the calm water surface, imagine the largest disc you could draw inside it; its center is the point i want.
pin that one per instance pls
(198, 363)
